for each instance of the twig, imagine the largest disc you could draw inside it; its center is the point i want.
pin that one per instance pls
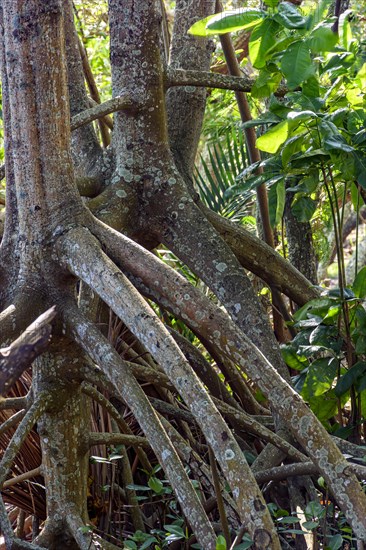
(22, 477)
(121, 423)
(106, 438)
(10, 422)
(16, 403)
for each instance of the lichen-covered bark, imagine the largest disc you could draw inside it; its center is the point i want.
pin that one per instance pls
(301, 252)
(186, 105)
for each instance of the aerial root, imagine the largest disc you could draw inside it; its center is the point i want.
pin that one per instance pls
(129, 391)
(103, 276)
(20, 354)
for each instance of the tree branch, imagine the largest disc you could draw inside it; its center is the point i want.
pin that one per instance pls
(10, 422)
(259, 258)
(20, 354)
(207, 79)
(99, 111)
(106, 438)
(22, 477)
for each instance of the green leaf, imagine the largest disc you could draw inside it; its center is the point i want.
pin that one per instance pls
(337, 141)
(303, 208)
(320, 377)
(323, 39)
(351, 376)
(292, 358)
(360, 165)
(310, 525)
(271, 3)
(221, 543)
(311, 87)
(227, 21)
(272, 140)
(155, 485)
(265, 84)
(261, 39)
(345, 31)
(175, 530)
(335, 542)
(359, 284)
(289, 16)
(148, 542)
(281, 195)
(296, 64)
(324, 406)
(361, 344)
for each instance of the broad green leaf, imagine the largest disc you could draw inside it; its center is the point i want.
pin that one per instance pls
(356, 198)
(361, 76)
(324, 406)
(272, 140)
(265, 84)
(320, 12)
(310, 159)
(281, 194)
(266, 118)
(322, 39)
(360, 347)
(261, 39)
(335, 542)
(289, 16)
(271, 3)
(292, 146)
(337, 142)
(303, 208)
(155, 485)
(296, 64)
(311, 87)
(309, 525)
(292, 358)
(345, 31)
(320, 377)
(227, 21)
(221, 543)
(175, 530)
(360, 165)
(148, 542)
(359, 284)
(351, 377)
